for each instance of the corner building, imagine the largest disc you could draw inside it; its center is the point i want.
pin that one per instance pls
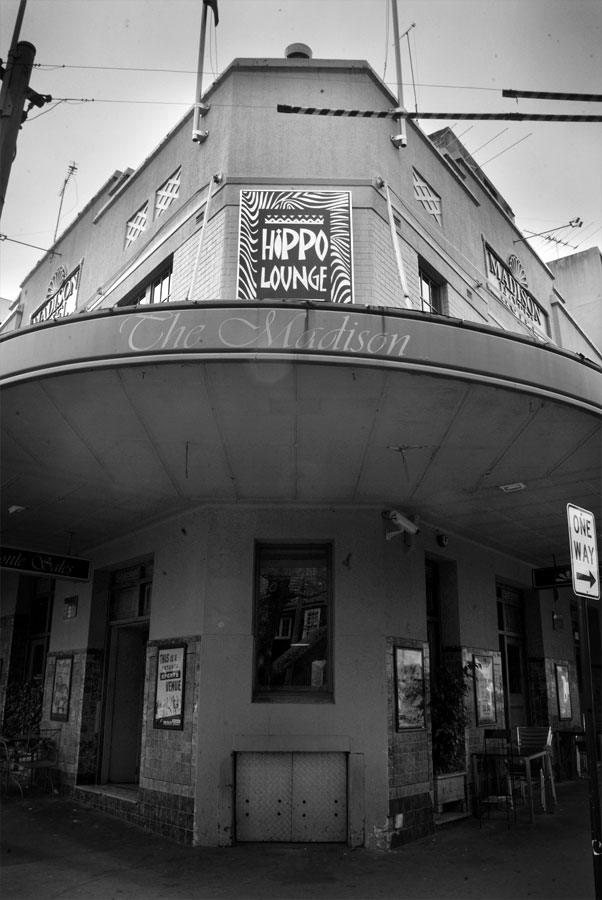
(251, 355)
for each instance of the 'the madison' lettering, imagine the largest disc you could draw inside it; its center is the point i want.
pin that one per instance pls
(275, 329)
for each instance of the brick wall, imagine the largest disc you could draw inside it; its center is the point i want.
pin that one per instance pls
(90, 717)
(209, 277)
(69, 739)
(6, 636)
(168, 764)
(410, 813)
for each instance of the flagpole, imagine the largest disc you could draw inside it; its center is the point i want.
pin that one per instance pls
(399, 140)
(199, 136)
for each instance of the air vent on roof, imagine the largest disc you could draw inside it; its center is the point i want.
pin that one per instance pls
(298, 51)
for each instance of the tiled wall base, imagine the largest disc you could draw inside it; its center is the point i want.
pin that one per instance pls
(167, 814)
(411, 818)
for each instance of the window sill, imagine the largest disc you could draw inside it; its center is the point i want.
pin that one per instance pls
(293, 697)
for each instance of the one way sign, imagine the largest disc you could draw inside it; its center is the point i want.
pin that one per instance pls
(584, 551)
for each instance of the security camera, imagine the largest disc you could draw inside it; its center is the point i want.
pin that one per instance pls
(399, 140)
(402, 522)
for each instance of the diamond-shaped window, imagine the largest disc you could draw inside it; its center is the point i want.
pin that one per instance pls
(427, 197)
(136, 225)
(167, 193)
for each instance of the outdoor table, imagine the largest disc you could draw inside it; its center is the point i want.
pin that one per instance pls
(548, 793)
(516, 763)
(25, 756)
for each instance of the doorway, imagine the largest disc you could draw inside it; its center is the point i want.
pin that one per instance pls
(125, 704)
(512, 650)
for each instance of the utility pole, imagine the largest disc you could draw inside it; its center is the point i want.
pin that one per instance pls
(398, 140)
(15, 91)
(201, 109)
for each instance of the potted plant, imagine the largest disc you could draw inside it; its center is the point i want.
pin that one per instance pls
(449, 718)
(22, 709)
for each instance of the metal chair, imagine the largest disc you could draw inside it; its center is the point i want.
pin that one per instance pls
(494, 781)
(534, 758)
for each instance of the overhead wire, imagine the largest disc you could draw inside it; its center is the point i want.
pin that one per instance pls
(499, 134)
(412, 65)
(491, 158)
(150, 69)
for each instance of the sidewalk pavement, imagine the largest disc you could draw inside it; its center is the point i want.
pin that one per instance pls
(54, 848)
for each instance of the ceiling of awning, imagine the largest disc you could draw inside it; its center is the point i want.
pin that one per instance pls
(94, 454)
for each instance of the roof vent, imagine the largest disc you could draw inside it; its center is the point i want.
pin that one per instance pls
(298, 51)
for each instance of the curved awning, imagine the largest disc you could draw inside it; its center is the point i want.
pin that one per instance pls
(115, 419)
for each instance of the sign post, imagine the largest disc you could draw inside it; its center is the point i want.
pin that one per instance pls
(586, 585)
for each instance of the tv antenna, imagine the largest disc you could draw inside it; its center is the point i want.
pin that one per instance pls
(70, 171)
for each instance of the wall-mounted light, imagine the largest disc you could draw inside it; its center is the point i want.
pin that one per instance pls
(442, 540)
(512, 488)
(70, 605)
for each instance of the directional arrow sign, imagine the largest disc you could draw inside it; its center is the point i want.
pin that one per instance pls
(552, 576)
(584, 551)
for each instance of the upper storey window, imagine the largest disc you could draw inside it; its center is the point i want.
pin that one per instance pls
(156, 290)
(430, 294)
(167, 193)
(136, 225)
(427, 197)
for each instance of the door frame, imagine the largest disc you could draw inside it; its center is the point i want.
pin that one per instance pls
(110, 691)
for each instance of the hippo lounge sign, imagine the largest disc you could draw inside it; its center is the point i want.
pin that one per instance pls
(511, 282)
(295, 245)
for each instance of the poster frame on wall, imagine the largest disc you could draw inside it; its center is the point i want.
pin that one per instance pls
(484, 689)
(169, 687)
(409, 688)
(61, 689)
(563, 691)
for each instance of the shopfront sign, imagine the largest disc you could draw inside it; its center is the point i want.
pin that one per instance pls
(61, 296)
(510, 281)
(295, 245)
(50, 565)
(319, 332)
(263, 329)
(584, 551)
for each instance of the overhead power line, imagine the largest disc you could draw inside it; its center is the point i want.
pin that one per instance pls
(4, 237)
(553, 95)
(54, 66)
(401, 113)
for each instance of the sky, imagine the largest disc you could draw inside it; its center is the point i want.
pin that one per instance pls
(122, 73)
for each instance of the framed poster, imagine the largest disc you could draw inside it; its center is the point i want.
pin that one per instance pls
(295, 245)
(61, 689)
(565, 710)
(169, 689)
(409, 688)
(484, 690)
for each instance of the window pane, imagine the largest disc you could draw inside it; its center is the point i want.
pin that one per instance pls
(430, 294)
(292, 619)
(515, 679)
(161, 288)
